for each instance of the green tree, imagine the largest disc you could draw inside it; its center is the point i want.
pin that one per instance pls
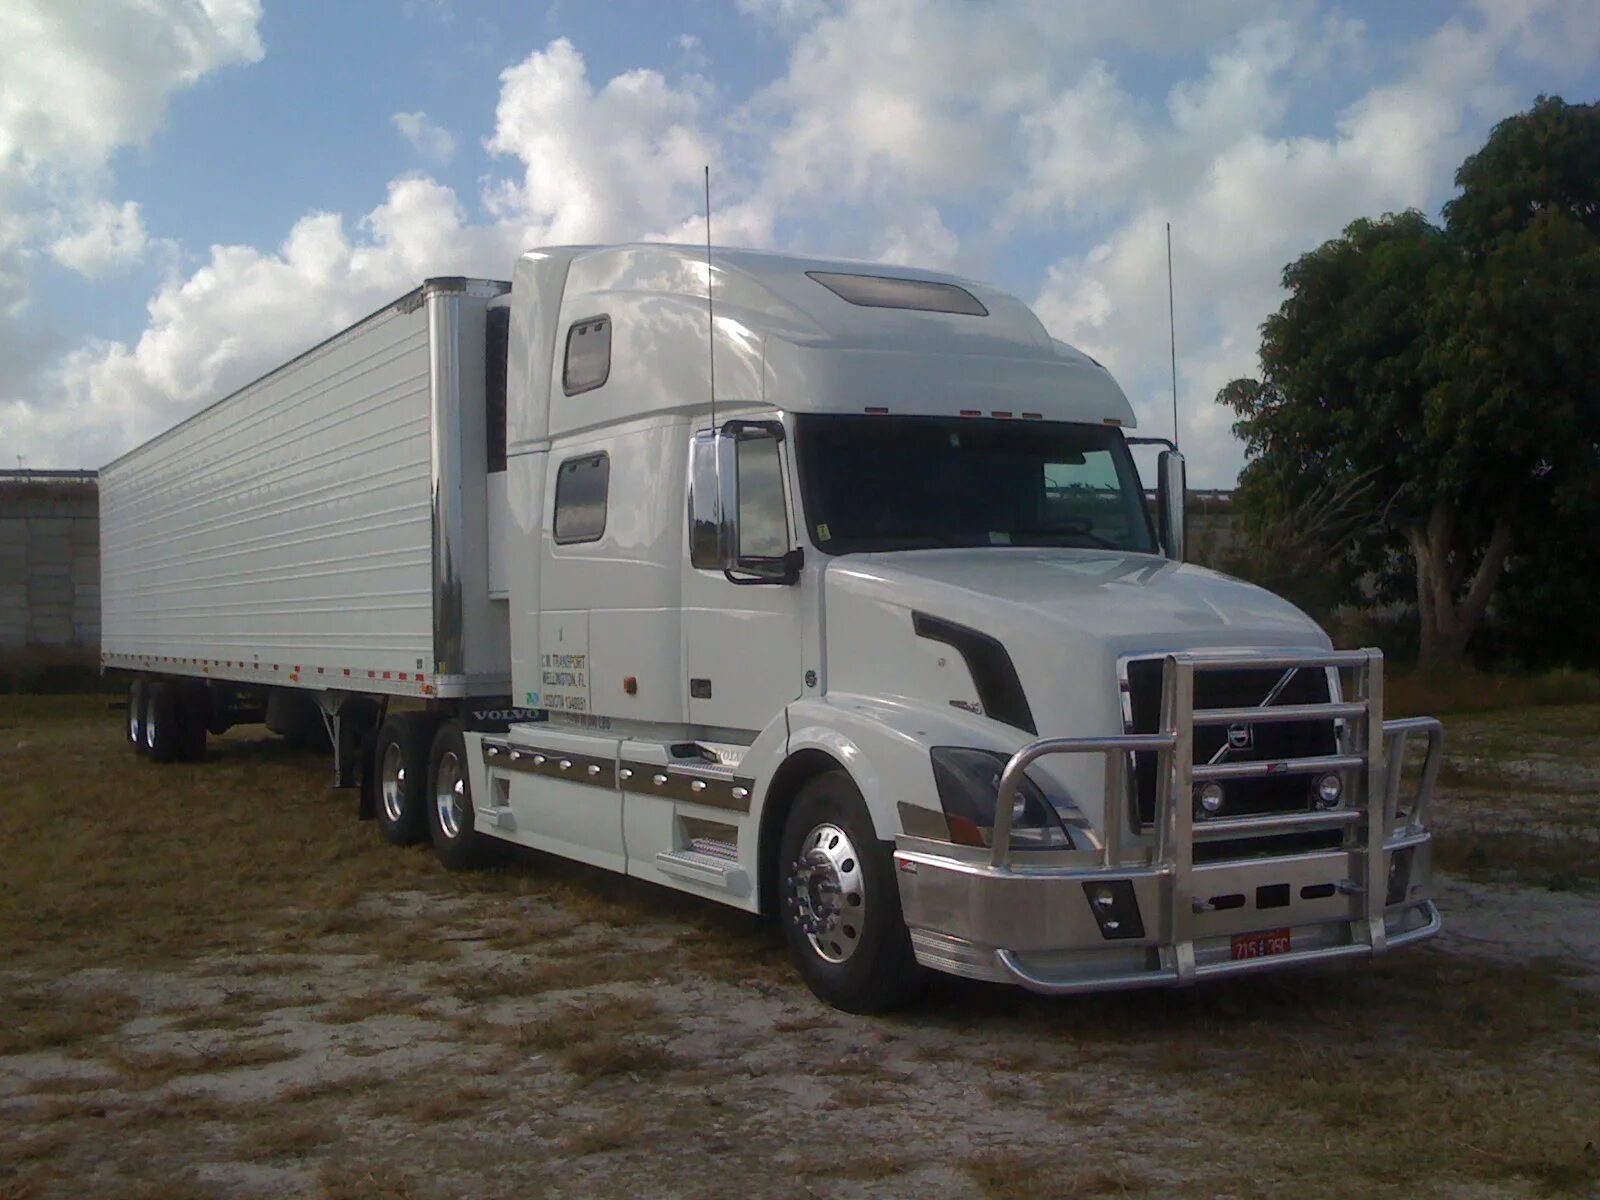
(1450, 370)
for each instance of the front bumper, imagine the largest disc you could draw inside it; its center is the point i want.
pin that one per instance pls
(1139, 911)
(1037, 927)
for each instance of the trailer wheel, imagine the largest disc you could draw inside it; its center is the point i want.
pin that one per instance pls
(451, 818)
(138, 697)
(163, 722)
(841, 907)
(401, 760)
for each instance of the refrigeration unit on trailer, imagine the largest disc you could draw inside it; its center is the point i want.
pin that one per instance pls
(874, 635)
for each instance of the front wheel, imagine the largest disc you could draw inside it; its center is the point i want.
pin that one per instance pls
(451, 819)
(841, 908)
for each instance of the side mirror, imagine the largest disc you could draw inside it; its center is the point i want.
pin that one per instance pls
(1170, 497)
(713, 502)
(738, 513)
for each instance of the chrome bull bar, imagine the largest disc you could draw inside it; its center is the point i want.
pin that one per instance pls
(1369, 749)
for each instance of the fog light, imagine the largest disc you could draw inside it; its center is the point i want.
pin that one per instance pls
(1329, 790)
(1115, 908)
(1209, 798)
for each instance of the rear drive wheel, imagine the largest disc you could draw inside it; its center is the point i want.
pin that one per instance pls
(163, 723)
(451, 818)
(841, 907)
(138, 697)
(401, 761)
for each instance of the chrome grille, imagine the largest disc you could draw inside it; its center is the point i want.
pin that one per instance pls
(1276, 741)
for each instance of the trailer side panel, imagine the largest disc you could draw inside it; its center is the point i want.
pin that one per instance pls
(284, 534)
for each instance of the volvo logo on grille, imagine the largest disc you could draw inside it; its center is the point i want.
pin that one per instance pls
(1239, 737)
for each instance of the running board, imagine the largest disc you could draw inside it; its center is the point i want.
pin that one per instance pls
(705, 869)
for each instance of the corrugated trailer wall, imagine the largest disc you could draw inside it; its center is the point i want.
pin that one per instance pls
(286, 526)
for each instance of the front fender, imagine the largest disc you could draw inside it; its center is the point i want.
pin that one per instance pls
(884, 745)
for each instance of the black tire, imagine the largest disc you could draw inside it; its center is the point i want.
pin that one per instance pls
(163, 722)
(400, 778)
(138, 698)
(851, 945)
(194, 715)
(452, 821)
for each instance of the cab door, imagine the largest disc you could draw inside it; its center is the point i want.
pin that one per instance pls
(743, 636)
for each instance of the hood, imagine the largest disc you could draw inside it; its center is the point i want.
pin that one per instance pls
(1064, 618)
(1126, 603)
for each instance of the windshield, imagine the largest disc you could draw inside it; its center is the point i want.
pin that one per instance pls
(907, 483)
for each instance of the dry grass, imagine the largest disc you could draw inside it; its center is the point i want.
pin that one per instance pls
(340, 1181)
(582, 969)
(1519, 798)
(1012, 1175)
(624, 1132)
(802, 1022)
(150, 1068)
(253, 827)
(364, 1006)
(617, 1054)
(41, 1018)
(289, 1138)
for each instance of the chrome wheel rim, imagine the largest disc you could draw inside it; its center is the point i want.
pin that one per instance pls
(150, 727)
(392, 782)
(450, 794)
(827, 893)
(133, 723)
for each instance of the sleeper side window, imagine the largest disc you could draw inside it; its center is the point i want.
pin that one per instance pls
(588, 361)
(581, 487)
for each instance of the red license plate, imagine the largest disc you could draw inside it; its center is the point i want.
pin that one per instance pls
(1260, 945)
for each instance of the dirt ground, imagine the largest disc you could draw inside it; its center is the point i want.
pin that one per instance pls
(215, 982)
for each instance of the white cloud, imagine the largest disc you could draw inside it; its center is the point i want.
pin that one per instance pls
(73, 89)
(76, 86)
(920, 239)
(109, 237)
(1082, 148)
(598, 163)
(433, 142)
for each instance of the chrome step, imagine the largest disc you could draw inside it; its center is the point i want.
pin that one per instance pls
(712, 870)
(715, 848)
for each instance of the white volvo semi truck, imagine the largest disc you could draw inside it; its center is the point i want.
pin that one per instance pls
(836, 598)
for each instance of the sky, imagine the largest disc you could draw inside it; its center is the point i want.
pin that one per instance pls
(192, 191)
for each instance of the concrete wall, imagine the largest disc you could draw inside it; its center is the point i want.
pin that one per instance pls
(49, 559)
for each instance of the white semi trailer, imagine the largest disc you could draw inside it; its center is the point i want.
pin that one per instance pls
(872, 633)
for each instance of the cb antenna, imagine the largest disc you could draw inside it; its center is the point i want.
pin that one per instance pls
(711, 320)
(1172, 335)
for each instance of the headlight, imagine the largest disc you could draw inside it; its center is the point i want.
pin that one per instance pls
(969, 784)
